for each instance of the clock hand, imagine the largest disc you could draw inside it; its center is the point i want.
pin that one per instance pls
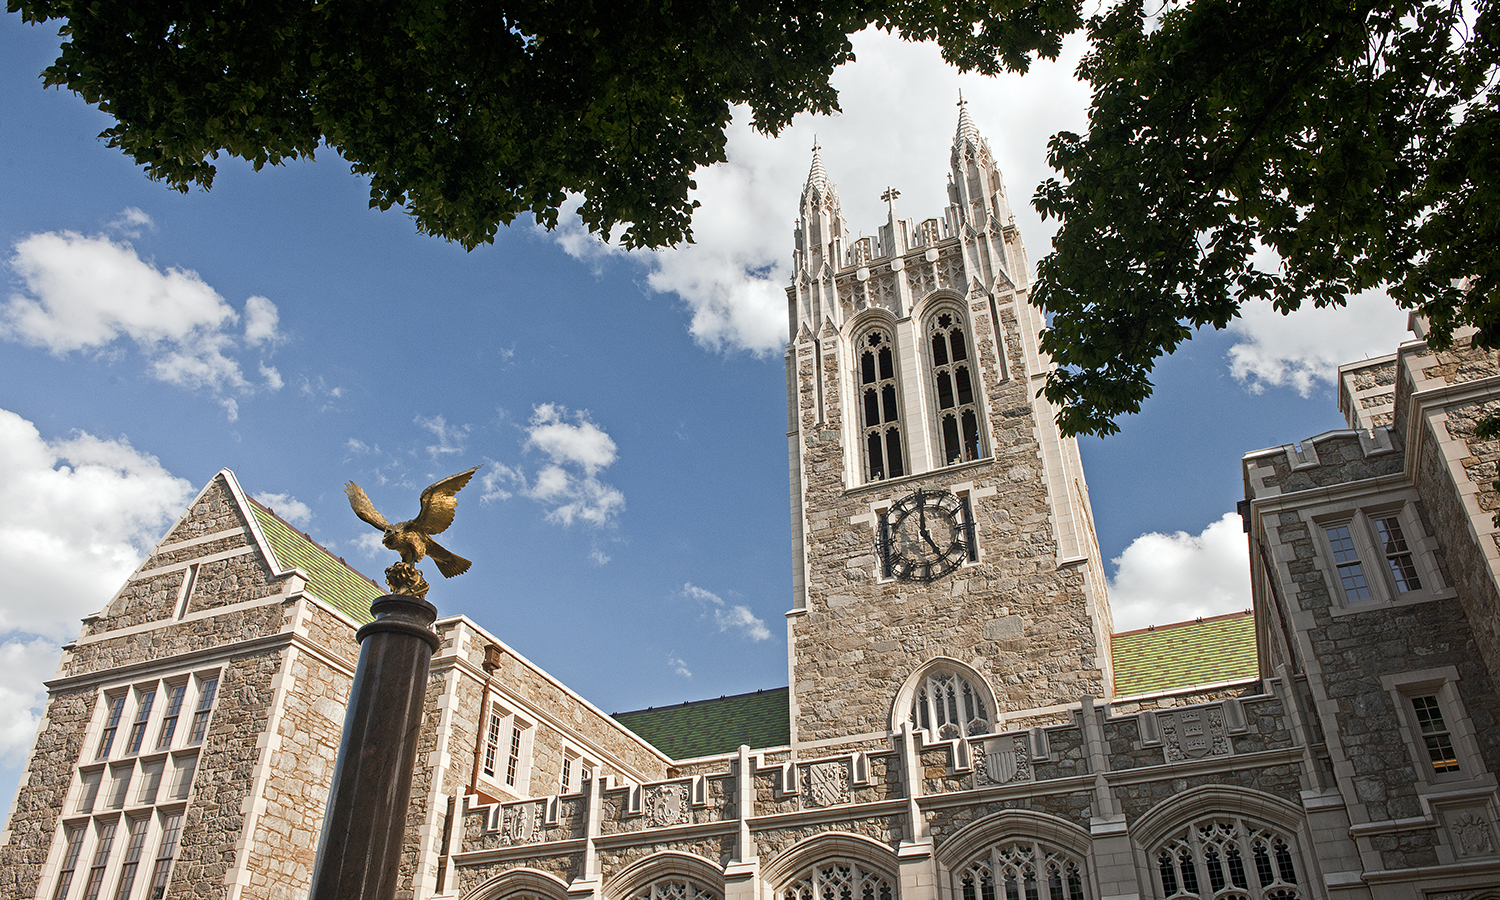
(928, 536)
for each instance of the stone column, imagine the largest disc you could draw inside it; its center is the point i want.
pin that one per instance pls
(359, 854)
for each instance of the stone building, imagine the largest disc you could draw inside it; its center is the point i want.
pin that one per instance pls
(960, 721)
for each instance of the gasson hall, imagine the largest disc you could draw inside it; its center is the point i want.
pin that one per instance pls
(961, 722)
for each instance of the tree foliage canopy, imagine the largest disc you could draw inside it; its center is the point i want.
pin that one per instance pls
(470, 112)
(1355, 140)
(1280, 150)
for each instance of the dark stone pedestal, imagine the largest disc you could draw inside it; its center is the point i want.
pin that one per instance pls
(359, 853)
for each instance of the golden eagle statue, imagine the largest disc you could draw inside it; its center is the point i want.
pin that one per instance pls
(413, 538)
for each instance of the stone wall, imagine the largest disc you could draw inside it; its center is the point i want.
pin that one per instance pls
(44, 783)
(284, 842)
(221, 794)
(861, 637)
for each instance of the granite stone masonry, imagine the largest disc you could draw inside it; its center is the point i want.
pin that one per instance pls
(951, 729)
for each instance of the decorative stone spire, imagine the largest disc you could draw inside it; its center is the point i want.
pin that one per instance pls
(817, 176)
(968, 132)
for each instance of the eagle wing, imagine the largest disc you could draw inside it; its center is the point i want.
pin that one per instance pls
(363, 507)
(439, 502)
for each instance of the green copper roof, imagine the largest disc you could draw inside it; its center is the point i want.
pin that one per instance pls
(711, 727)
(1169, 657)
(328, 578)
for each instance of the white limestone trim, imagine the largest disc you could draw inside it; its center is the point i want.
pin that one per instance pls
(204, 539)
(521, 880)
(1182, 692)
(519, 851)
(207, 656)
(1486, 867)
(158, 624)
(237, 879)
(977, 836)
(439, 761)
(901, 706)
(248, 550)
(832, 844)
(663, 864)
(869, 736)
(1158, 823)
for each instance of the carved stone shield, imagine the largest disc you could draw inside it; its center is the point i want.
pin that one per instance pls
(667, 804)
(1192, 732)
(826, 783)
(1001, 763)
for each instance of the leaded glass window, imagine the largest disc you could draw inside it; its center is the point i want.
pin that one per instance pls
(880, 406)
(1227, 858)
(953, 381)
(947, 705)
(839, 879)
(676, 888)
(1022, 870)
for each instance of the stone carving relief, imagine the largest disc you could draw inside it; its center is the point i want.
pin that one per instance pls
(667, 804)
(1471, 833)
(1003, 760)
(522, 824)
(951, 272)
(885, 292)
(920, 279)
(827, 783)
(1194, 734)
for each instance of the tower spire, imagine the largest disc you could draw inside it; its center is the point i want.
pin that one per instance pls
(967, 130)
(817, 176)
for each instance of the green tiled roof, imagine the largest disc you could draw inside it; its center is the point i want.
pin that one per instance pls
(1169, 657)
(328, 577)
(710, 727)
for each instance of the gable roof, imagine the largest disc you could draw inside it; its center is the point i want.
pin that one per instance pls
(712, 727)
(1185, 654)
(329, 578)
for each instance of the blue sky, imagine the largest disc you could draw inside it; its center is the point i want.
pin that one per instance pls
(631, 535)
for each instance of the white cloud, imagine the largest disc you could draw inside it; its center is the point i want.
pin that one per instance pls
(272, 376)
(582, 442)
(288, 507)
(369, 543)
(451, 439)
(577, 450)
(728, 617)
(1166, 578)
(261, 318)
(80, 514)
(26, 663)
(86, 293)
(598, 557)
(678, 666)
(131, 222)
(1305, 349)
(896, 130)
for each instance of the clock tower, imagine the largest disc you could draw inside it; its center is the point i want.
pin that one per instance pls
(945, 565)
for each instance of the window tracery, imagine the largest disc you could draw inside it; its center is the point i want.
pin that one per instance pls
(1228, 859)
(839, 879)
(880, 407)
(953, 387)
(949, 706)
(1022, 870)
(675, 888)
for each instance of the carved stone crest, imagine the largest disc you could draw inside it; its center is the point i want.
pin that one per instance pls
(1472, 835)
(827, 783)
(667, 804)
(1194, 734)
(1004, 760)
(522, 823)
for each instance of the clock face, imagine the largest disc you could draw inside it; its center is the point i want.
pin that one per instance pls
(925, 536)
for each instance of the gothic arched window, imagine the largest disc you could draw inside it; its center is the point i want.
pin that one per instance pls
(880, 406)
(1227, 858)
(953, 385)
(947, 705)
(839, 879)
(1022, 870)
(675, 888)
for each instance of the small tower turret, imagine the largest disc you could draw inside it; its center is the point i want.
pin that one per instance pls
(820, 248)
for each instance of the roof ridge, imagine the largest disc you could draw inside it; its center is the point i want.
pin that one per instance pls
(1201, 620)
(691, 703)
(309, 538)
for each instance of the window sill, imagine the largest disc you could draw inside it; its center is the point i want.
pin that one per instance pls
(1411, 598)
